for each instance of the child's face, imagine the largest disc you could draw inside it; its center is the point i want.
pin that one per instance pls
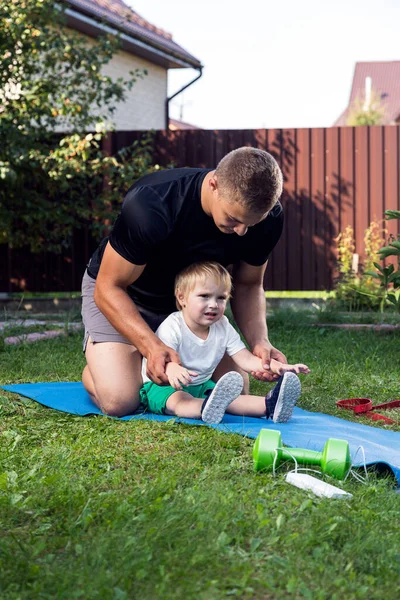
(204, 304)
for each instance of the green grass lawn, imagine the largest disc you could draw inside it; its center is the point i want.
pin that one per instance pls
(96, 508)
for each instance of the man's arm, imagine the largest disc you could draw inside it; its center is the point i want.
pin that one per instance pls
(111, 297)
(249, 309)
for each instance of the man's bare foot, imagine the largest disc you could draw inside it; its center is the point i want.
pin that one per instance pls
(281, 368)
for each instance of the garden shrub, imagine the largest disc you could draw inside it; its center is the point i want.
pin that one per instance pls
(357, 289)
(51, 80)
(387, 274)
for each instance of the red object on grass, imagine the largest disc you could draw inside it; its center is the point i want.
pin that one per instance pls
(358, 405)
(364, 406)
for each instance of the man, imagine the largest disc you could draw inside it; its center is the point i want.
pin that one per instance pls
(168, 220)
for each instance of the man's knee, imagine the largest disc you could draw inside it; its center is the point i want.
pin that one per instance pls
(112, 377)
(116, 404)
(112, 402)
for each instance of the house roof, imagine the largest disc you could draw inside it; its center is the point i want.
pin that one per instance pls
(385, 78)
(151, 41)
(175, 124)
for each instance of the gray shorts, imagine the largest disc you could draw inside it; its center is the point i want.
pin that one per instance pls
(97, 325)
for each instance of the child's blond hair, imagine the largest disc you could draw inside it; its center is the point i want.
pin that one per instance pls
(186, 280)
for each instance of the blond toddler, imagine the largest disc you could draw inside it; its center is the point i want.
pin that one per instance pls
(201, 334)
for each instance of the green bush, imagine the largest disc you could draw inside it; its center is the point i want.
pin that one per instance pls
(51, 80)
(358, 291)
(356, 294)
(387, 275)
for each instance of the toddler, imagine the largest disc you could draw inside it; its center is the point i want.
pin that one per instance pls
(201, 335)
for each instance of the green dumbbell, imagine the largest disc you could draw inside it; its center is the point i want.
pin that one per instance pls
(333, 460)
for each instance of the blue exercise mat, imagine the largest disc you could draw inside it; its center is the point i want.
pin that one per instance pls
(304, 430)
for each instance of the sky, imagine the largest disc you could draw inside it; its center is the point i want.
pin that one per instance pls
(287, 63)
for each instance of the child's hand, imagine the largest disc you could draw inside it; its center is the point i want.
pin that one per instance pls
(282, 368)
(178, 375)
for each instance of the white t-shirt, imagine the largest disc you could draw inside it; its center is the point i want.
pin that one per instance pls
(201, 356)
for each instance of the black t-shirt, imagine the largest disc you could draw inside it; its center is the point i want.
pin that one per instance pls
(163, 226)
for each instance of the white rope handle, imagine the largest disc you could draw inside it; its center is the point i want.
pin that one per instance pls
(351, 471)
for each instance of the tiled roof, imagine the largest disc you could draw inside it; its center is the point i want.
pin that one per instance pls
(122, 17)
(385, 78)
(175, 124)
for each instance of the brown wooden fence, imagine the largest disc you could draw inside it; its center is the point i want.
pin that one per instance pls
(333, 178)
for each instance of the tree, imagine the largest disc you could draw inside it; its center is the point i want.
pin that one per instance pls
(366, 113)
(51, 80)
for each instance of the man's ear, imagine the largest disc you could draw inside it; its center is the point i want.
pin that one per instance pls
(212, 182)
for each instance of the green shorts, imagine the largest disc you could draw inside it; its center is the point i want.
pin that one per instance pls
(154, 397)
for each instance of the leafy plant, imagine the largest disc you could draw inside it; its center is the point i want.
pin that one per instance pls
(388, 276)
(345, 250)
(52, 81)
(373, 237)
(359, 290)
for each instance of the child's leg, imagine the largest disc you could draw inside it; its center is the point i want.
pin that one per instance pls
(250, 406)
(210, 409)
(225, 391)
(278, 403)
(182, 404)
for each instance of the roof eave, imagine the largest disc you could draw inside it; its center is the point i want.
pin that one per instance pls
(134, 45)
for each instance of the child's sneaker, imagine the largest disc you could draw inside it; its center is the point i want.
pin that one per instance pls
(280, 401)
(227, 389)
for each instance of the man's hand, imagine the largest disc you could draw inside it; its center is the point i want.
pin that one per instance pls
(178, 375)
(267, 352)
(158, 357)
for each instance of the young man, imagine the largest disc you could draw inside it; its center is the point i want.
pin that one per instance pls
(169, 220)
(201, 335)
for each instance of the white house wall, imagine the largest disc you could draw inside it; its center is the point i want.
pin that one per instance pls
(144, 107)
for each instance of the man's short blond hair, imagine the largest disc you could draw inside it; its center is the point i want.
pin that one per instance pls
(187, 279)
(251, 177)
